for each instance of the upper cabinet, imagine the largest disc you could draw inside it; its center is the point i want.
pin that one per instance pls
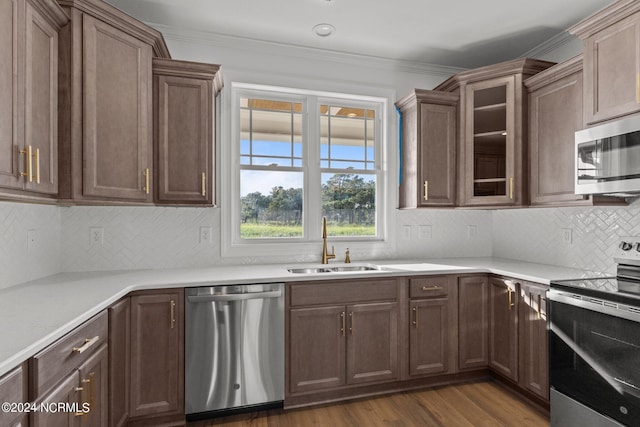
(611, 40)
(492, 126)
(105, 118)
(555, 114)
(29, 96)
(184, 130)
(429, 137)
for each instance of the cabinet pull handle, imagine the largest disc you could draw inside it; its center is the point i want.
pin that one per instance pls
(172, 304)
(37, 157)
(426, 190)
(510, 293)
(91, 388)
(146, 180)
(415, 316)
(343, 324)
(351, 328)
(511, 188)
(204, 184)
(87, 344)
(432, 288)
(28, 157)
(539, 306)
(81, 390)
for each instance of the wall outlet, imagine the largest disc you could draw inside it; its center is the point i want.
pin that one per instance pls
(472, 231)
(425, 232)
(32, 238)
(205, 235)
(567, 236)
(96, 236)
(406, 232)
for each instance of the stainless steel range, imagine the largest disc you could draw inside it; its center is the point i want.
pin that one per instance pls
(594, 346)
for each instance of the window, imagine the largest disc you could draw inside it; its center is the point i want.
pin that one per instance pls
(305, 155)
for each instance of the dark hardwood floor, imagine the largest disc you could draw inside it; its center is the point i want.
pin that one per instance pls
(475, 404)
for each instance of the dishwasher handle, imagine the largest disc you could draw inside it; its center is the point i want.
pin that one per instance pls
(234, 297)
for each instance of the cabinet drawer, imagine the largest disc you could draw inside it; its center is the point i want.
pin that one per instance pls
(343, 292)
(56, 361)
(429, 287)
(12, 390)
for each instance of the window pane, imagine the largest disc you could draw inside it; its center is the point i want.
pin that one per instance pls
(349, 203)
(347, 137)
(271, 204)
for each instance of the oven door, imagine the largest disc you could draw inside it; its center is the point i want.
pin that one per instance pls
(594, 355)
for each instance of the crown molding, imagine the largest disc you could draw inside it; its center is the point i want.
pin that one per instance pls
(555, 42)
(300, 52)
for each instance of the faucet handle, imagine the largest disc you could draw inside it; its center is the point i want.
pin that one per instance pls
(347, 258)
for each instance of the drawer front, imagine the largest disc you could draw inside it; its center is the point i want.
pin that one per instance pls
(343, 292)
(429, 287)
(13, 390)
(60, 358)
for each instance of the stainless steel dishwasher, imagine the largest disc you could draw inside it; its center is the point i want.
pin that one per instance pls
(234, 349)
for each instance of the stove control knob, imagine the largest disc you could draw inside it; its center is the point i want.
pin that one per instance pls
(625, 246)
(637, 245)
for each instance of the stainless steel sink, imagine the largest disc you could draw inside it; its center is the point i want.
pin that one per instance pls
(310, 270)
(337, 269)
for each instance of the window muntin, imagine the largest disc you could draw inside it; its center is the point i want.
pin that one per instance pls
(298, 147)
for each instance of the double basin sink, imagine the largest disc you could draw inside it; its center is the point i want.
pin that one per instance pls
(332, 269)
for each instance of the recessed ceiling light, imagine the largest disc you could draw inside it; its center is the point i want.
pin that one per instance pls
(324, 30)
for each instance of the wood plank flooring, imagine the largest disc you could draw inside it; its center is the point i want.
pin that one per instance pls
(472, 405)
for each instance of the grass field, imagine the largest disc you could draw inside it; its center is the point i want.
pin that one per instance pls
(257, 231)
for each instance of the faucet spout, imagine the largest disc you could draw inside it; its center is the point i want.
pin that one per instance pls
(325, 255)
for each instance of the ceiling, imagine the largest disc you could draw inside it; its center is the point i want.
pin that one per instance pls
(458, 33)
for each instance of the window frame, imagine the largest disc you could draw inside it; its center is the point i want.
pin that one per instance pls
(233, 245)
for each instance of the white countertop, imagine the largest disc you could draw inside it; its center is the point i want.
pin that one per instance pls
(35, 314)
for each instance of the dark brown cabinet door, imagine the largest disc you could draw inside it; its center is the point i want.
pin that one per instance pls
(29, 95)
(13, 389)
(41, 101)
(429, 138)
(611, 67)
(94, 380)
(429, 336)
(473, 321)
(117, 133)
(69, 393)
(119, 362)
(491, 148)
(503, 327)
(555, 114)
(317, 339)
(157, 353)
(10, 113)
(534, 360)
(184, 130)
(372, 342)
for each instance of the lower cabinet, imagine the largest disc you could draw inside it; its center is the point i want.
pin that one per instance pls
(533, 346)
(503, 326)
(13, 389)
(473, 322)
(147, 365)
(70, 377)
(337, 341)
(432, 325)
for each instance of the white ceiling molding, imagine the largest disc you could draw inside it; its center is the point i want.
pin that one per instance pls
(301, 52)
(555, 43)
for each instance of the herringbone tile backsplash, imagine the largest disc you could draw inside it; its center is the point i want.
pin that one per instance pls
(158, 237)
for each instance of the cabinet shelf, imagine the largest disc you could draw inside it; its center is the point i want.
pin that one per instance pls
(492, 134)
(479, 181)
(491, 107)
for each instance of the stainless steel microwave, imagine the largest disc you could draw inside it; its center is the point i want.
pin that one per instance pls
(608, 158)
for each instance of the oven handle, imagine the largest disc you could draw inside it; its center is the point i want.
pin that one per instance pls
(234, 297)
(594, 304)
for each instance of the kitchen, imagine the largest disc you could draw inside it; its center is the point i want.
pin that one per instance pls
(41, 240)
